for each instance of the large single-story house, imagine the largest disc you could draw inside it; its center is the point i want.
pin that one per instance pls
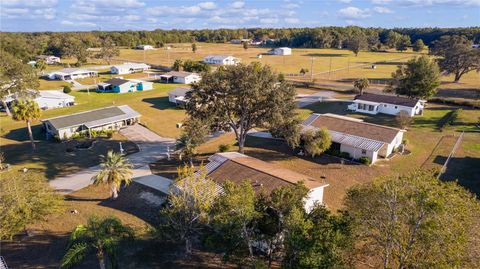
(221, 59)
(371, 103)
(45, 99)
(49, 59)
(72, 73)
(280, 51)
(109, 118)
(144, 47)
(54, 99)
(177, 96)
(119, 85)
(358, 138)
(180, 77)
(128, 68)
(264, 177)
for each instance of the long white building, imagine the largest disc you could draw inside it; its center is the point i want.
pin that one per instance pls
(358, 138)
(371, 103)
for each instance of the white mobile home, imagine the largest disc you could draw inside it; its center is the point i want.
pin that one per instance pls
(358, 138)
(387, 104)
(49, 59)
(109, 118)
(45, 99)
(145, 47)
(71, 74)
(281, 51)
(180, 77)
(221, 60)
(177, 96)
(129, 68)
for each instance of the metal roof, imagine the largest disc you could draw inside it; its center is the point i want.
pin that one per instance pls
(94, 118)
(179, 91)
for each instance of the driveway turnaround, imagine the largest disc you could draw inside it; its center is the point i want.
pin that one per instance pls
(152, 147)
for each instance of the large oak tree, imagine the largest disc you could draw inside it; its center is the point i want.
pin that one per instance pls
(457, 55)
(241, 98)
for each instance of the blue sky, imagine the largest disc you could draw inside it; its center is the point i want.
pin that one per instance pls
(84, 15)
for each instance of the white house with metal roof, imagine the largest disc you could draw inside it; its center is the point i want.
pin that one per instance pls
(280, 51)
(45, 99)
(221, 60)
(108, 118)
(371, 103)
(181, 77)
(356, 137)
(177, 96)
(129, 68)
(120, 85)
(49, 59)
(71, 74)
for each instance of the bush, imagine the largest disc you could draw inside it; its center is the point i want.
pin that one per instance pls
(67, 89)
(405, 142)
(344, 155)
(224, 147)
(364, 160)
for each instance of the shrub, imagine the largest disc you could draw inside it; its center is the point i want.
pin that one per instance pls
(224, 147)
(364, 160)
(344, 155)
(403, 119)
(67, 89)
(405, 141)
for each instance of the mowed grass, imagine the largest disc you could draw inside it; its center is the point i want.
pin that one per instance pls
(157, 113)
(344, 65)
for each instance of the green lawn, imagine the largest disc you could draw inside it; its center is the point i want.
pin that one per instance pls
(157, 113)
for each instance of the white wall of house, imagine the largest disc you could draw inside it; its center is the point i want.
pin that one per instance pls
(187, 80)
(396, 142)
(314, 196)
(357, 153)
(395, 109)
(372, 109)
(48, 103)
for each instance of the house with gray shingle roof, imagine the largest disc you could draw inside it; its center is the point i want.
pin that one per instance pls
(356, 137)
(371, 103)
(108, 118)
(263, 176)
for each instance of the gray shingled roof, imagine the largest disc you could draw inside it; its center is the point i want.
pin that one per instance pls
(94, 118)
(116, 81)
(388, 99)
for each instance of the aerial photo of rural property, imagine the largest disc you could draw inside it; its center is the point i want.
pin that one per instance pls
(286, 134)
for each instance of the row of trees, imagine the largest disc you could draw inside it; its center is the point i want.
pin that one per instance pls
(27, 45)
(395, 222)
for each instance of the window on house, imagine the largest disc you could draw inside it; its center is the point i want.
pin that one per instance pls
(396, 107)
(384, 105)
(370, 108)
(364, 151)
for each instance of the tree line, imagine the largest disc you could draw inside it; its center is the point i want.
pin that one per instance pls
(24, 45)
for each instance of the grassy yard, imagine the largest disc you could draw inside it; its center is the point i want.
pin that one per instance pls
(157, 113)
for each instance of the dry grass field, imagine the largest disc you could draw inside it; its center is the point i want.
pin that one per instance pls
(344, 65)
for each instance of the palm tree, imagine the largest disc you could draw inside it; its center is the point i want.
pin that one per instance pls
(115, 171)
(361, 84)
(26, 110)
(101, 236)
(187, 147)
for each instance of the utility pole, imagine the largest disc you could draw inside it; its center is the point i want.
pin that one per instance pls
(311, 69)
(144, 51)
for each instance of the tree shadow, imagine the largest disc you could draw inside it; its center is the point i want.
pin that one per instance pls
(466, 171)
(160, 103)
(55, 158)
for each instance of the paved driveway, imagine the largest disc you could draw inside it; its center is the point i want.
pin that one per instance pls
(152, 147)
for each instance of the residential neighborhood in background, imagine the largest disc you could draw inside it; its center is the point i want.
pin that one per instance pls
(137, 134)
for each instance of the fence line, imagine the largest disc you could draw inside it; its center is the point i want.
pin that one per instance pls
(455, 147)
